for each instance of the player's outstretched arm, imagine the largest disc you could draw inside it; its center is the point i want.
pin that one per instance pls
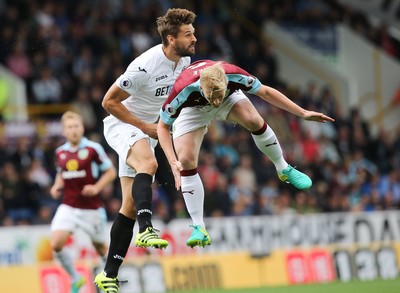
(278, 99)
(165, 140)
(317, 116)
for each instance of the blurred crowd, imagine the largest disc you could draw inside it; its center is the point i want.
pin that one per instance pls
(70, 52)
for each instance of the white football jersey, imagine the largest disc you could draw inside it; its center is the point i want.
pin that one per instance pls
(148, 80)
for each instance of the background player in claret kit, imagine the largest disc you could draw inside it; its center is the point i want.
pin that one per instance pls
(134, 101)
(209, 90)
(84, 169)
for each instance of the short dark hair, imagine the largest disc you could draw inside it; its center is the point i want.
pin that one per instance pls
(170, 23)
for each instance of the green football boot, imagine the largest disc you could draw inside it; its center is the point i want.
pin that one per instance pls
(296, 178)
(106, 284)
(150, 238)
(76, 286)
(199, 237)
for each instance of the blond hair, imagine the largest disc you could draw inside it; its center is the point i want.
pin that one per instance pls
(70, 115)
(213, 79)
(170, 23)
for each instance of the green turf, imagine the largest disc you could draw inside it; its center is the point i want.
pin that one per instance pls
(377, 286)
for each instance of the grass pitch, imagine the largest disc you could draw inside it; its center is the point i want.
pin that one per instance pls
(376, 286)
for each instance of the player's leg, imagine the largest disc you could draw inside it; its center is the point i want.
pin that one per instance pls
(187, 147)
(165, 179)
(120, 237)
(94, 222)
(101, 248)
(141, 158)
(58, 240)
(244, 113)
(62, 227)
(120, 137)
(133, 147)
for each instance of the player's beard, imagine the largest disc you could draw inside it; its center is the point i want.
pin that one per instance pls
(184, 51)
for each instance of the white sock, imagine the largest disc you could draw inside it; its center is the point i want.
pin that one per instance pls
(65, 258)
(193, 194)
(268, 143)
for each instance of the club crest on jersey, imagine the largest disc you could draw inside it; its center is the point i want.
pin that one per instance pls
(170, 109)
(83, 154)
(72, 165)
(249, 81)
(125, 83)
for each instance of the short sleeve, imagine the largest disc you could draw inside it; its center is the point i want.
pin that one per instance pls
(103, 160)
(134, 78)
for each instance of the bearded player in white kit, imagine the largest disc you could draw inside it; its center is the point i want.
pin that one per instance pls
(134, 102)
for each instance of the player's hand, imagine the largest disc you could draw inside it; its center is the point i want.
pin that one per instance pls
(316, 116)
(55, 192)
(90, 190)
(151, 130)
(176, 168)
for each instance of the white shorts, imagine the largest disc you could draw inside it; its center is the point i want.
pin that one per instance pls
(193, 118)
(93, 222)
(121, 136)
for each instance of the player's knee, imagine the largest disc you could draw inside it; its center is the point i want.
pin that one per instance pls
(188, 160)
(254, 124)
(148, 167)
(143, 165)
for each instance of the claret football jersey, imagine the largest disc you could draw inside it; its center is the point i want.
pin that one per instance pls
(80, 166)
(186, 91)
